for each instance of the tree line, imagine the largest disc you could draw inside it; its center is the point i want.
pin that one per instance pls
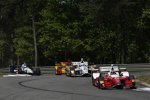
(100, 31)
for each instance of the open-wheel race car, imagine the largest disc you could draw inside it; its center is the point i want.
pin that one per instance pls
(110, 77)
(78, 69)
(24, 69)
(60, 68)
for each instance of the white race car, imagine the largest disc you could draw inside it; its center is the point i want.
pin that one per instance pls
(24, 69)
(78, 69)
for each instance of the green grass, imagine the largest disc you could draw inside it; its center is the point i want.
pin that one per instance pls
(1, 73)
(145, 79)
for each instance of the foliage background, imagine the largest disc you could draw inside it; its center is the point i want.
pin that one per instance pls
(100, 31)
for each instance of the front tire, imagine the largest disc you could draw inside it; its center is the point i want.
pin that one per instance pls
(93, 83)
(100, 85)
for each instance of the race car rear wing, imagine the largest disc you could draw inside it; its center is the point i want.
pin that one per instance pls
(108, 68)
(78, 63)
(95, 71)
(122, 69)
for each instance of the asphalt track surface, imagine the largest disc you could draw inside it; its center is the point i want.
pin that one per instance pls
(52, 87)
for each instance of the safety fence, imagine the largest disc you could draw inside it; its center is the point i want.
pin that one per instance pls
(138, 69)
(44, 69)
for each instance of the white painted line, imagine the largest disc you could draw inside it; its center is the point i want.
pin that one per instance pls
(143, 89)
(15, 75)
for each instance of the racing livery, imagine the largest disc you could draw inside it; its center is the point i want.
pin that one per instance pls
(78, 69)
(60, 68)
(24, 69)
(112, 77)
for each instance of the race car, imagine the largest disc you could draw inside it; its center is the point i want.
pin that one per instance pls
(78, 69)
(109, 77)
(24, 69)
(60, 68)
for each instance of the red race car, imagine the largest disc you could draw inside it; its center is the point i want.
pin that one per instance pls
(112, 77)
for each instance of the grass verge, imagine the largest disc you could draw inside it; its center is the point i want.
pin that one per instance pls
(1, 73)
(145, 79)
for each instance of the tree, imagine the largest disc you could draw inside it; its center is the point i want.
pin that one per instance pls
(100, 31)
(60, 28)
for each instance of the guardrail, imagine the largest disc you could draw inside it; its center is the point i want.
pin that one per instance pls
(138, 69)
(44, 69)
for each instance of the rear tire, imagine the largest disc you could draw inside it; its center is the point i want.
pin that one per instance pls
(12, 69)
(93, 81)
(37, 71)
(132, 77)
(20, 70)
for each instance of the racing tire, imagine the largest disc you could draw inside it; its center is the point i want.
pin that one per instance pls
(20, 70)
(131, 77)
(11, 69)
(100, 86)
(93, 81)
(120, 87)
(37, 71)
